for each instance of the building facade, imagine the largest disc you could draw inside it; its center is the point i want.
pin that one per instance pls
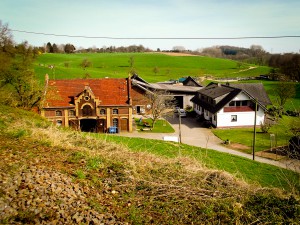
(92, 105)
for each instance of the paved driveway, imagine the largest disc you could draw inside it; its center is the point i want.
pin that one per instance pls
(192, 133)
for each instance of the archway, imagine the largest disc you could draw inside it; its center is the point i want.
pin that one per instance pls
(88, 125)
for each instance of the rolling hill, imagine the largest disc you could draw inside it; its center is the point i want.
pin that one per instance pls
(66, 66)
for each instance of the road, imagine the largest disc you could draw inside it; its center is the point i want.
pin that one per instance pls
(193, 134)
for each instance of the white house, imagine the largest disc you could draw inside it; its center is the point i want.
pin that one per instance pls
(232, 105)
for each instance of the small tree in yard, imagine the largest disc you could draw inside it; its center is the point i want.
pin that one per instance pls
(161, 103)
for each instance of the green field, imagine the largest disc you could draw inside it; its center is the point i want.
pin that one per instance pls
(116, 65)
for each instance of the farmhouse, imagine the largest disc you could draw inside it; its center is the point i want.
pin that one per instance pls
(92, 105)
(231, 105)
(182, 92)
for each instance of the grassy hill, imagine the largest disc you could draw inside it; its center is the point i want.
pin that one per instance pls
(54, 175)
(117, 65)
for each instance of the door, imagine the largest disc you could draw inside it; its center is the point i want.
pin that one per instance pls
(124, 124)
(101, 125)
(138, 109)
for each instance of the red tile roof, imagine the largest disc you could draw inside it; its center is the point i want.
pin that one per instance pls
(110, 91)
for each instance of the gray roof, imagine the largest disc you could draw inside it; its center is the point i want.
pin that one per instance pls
(216, 90)
(165, 87)
(190, 79)
(175, 87)
(256, 90)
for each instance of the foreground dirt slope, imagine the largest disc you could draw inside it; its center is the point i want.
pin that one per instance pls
(34, 191)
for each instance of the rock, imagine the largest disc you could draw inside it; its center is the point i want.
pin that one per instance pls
(49, 195)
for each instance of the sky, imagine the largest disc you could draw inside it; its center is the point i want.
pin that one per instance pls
(164, 20)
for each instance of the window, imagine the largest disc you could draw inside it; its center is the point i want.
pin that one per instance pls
(233, 118)
(231, 103)
(58, 113)
(102, 111)
(58, 123)
(244, 103)
(86, 98)
(87, 110)
(72, 113)
(115, 122)
(115, 111)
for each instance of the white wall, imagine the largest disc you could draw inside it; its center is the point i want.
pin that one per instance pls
(187, 100)
(243, 118)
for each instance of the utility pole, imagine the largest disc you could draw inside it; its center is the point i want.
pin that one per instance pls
(254, 132)
(179, 125)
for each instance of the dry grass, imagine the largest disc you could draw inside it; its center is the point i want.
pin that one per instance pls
(141, 188)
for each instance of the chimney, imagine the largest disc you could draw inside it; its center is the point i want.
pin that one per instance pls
(46, 78)
(46, 84)
(129, 89)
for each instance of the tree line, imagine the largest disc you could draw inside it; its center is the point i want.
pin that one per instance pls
(70, 48)
(285, 66)
(18, 86)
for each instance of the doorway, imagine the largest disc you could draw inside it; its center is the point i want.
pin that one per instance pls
(101, 124)
(88, 125)
(179, 101)
(124, 124)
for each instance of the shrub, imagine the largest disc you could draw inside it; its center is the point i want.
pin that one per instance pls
(294, 147)
(265, 127)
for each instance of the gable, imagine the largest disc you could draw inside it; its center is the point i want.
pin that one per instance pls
(189, 81)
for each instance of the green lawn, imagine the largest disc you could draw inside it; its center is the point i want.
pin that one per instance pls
(245, 135)
(161, 126)
(117, 65)
(251, 171)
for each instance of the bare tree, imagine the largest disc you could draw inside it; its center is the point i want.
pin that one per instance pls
(131, 62)
(155, 70)
(178, 48)
(85, 63)
(161, 103)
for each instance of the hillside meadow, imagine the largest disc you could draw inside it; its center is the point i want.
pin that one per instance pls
(53, 175)
(117, 65)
